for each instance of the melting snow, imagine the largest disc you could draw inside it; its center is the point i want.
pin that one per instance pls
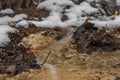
(72, 11)
(24, 23)
(6, 19)
(4, 29)
(76, 15)
(118, 2)
(7, 11)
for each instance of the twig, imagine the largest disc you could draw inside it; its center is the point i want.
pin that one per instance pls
(46, 58)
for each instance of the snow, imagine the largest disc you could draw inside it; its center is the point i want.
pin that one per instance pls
(19, 17)
(4, 29)
(76, 15)
(118, 2)
(7, 11)
(6, 19)
(72, 11)
(109, 23)
(23, 23)
(54, 5)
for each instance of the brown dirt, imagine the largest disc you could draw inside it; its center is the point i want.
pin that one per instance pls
(68, 63)
(73, 66)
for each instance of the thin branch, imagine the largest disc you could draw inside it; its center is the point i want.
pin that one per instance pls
(46, 58)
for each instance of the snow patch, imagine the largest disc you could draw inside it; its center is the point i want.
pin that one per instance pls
(109, 23)
(23, 23)
(7, 11)
(6, 19)
(4, 29)
(76, 14)
(118, 2)
(55, 5)
(19, 17)
(59, 8)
